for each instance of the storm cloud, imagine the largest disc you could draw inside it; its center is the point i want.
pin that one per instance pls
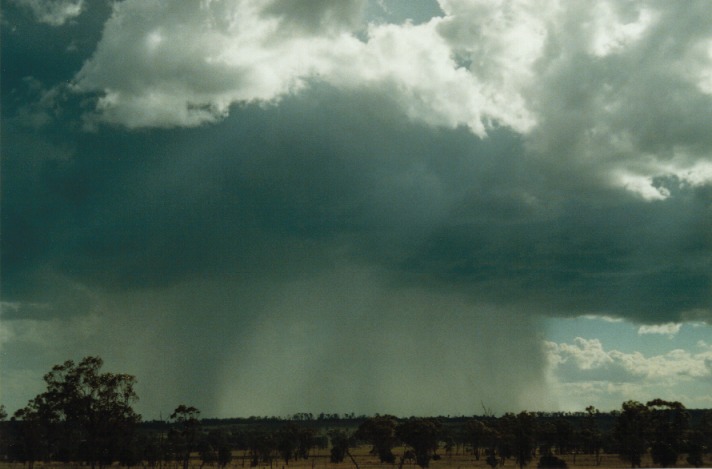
(259, 210)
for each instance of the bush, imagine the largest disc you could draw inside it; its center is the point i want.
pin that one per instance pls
(549, 460)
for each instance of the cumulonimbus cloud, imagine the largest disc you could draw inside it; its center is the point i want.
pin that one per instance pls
(502, 160)
(552, 72)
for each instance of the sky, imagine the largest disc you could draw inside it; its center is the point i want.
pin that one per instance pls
(408, 207)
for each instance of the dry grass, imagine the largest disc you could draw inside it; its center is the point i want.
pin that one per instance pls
(320, 460)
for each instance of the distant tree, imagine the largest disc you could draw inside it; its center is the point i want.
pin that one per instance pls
(520, 432)
(695, 448)
(85, 415)
(340, 441)
(564, 440)
(474, 434)
(546, 436)
(208, 453)
(287, 440)
(630, 432)
(224, 456)
(590, 436)
(152, 449)
(4, 434)
(496, 446)
(307, 440)
(380, 431)
(261, 445)
(421, 434)
(669, 424)
(186, 426)
(704, 427)
(219, 439)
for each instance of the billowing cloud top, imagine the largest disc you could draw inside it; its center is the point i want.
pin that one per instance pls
(262, 162)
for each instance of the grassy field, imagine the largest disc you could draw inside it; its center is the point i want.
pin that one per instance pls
(455, 461)
(320, 460)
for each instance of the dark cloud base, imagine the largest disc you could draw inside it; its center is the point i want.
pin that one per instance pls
(325, 179)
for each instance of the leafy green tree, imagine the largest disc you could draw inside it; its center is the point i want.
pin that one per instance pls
(287, 440)
(421, 434)
(590, 437)
(380, 431)
(152, 448)
(208, 453)
(474, 435)
(547, 437)
(220, 440)
(340, 442)
(496, 448)
(85, 414)
(30, 438)
(261, 445)
(224, 455)
(564, 435)
(294, 441)
(520, 432)
(186, 425)
(704, 427)
(669, 423)
(695, 448)
(630, 432)
(4, 433)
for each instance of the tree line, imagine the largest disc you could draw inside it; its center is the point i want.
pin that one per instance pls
(86, 416)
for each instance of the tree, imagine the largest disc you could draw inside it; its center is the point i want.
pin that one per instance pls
(421, 434)
(287, 439)
(630, 432)
(224, 455)
(30, 439)
(520, 432)
(695, 448)
(474, 434)
(186, 427)
(564, 435)
(380, 432)
(219, 439)
(704, 429)
(669, 423)
(340, 442)
(84, 414)
(590, 436)
(261, 445)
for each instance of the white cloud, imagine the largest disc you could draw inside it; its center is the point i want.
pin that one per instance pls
(643, 186)
(610, 91)
(612, 33)
(186, 64)
(589, 354)
(585, 372)
(54, 12)
(669, 329)
(602, 318)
